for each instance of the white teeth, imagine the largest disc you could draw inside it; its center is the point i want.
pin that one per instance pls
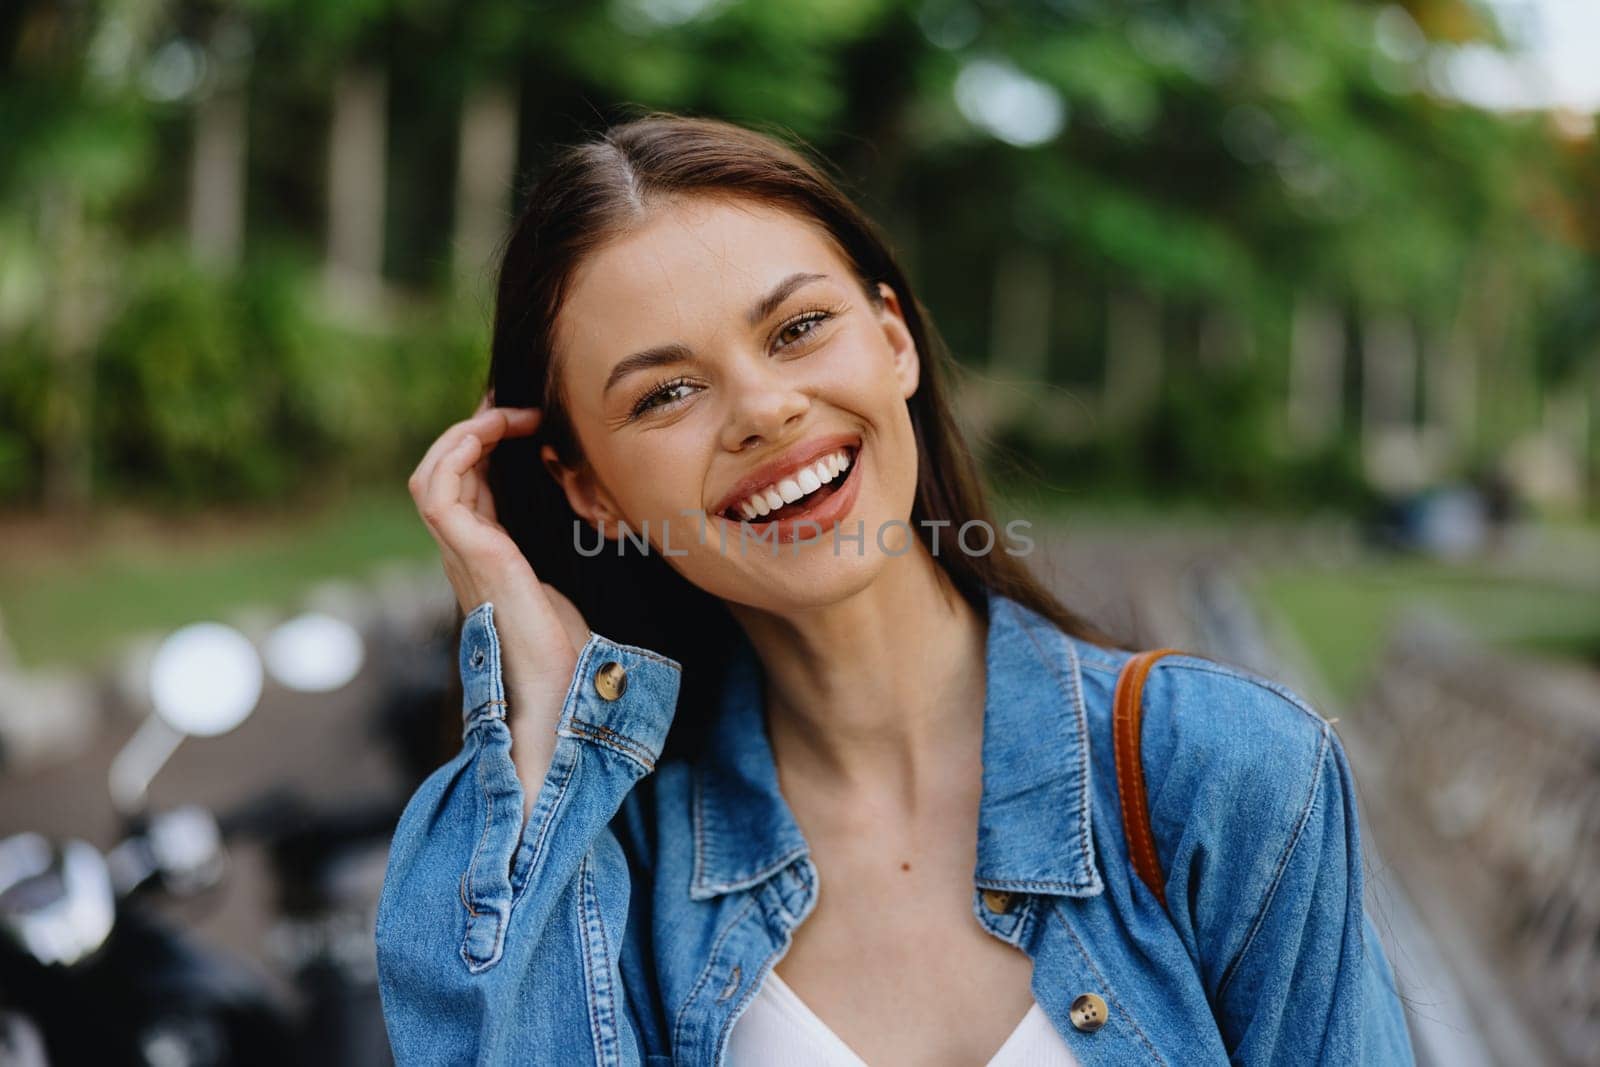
(805, 481)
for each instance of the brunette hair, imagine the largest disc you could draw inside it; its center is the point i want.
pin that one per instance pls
(593, 191)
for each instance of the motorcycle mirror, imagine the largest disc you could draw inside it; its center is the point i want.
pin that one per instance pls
(314, 653)
(205, 679)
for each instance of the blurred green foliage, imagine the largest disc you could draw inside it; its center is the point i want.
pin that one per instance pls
(1234, 158)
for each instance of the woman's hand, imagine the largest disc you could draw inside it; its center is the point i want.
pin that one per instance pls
(540, 631)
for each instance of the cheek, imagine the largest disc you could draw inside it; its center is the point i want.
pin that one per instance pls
(666, 478)
(651, 481)
(858, 366)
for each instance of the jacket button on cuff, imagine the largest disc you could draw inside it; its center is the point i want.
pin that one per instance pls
(999, 901)
(1088, 1012)
(611, 680)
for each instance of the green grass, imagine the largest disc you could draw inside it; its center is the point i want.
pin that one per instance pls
(74, 607)
(1343, 615)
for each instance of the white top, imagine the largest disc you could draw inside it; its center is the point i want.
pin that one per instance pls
(778, 1030)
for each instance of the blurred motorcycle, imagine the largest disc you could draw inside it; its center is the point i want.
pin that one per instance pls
(91, 973)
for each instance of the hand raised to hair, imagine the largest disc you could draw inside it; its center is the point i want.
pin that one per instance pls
(540, 630)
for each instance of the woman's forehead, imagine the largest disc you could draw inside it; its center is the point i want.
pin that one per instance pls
(693, 265)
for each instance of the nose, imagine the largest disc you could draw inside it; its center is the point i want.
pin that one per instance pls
(763, 405)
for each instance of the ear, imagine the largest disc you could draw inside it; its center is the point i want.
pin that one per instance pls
(907, 361)
(584, 493)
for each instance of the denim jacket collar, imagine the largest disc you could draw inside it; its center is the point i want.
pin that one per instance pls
(1033, 818)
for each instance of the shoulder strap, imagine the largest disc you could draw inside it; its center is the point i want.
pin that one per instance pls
(1127, 717)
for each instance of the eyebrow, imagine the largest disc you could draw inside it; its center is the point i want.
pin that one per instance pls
(780, 292)
(676, 352)
(661, 355)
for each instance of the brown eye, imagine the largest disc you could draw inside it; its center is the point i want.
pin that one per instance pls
(796, 331)
(800, 329)
(662, 396)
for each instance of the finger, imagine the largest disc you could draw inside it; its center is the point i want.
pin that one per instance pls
(472, 484)
(494, 425)
(485, 507)
(490, 426)
(483, 498)
(442, 496)
(499, 423)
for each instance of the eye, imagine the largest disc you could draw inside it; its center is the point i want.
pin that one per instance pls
(802, 327)
(662, 395)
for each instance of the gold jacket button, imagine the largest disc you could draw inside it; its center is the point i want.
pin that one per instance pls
(611, 680)
(999, 901)
(1088, 1012)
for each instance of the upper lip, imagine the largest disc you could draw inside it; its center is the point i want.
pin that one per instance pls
(783, 465)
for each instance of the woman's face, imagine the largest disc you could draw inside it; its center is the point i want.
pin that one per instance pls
(708, 358)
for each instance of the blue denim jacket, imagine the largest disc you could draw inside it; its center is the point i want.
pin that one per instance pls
(635, 915)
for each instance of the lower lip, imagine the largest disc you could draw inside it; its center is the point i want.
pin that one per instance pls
(831, 510)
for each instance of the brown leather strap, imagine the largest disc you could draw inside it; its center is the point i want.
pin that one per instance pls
(1127, 717)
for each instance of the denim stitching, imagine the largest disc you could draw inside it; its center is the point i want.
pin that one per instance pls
(620, 742)
(983, 882)
(700, 883)
(608, 1006)
(1081, 718)
(1028, 919)
(988, 919)
(1278, 688)
(643, 653)
(1085, 839)
(1110, 993)
(537, 845)
(731, 984)
(470, 883)
(744, 1001)
(767, 965)
(1103, 664)
(705, 972)
(579, 672)
(496, 667)
(588, 962)
(696, 808)
(491, 642)
(808, 888)
(1283, 862)
(751, 880)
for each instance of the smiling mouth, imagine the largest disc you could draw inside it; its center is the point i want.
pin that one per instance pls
(805, 504)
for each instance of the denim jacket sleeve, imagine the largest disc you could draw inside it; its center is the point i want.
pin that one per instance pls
(1266, 874)
(497, 941)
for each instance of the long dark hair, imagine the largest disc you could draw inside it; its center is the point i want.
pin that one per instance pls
(589, 193)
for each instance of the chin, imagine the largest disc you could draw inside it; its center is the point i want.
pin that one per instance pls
(803, 576)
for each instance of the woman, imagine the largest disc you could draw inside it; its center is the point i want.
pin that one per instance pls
(887, 827)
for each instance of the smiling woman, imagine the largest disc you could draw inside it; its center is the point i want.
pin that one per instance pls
(853, 798)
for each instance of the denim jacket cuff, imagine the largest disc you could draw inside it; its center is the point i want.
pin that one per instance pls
(622, 696)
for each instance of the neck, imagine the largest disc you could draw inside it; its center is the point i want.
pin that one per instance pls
(881, 692)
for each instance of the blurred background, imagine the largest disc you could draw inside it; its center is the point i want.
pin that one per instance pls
(1278, 321)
